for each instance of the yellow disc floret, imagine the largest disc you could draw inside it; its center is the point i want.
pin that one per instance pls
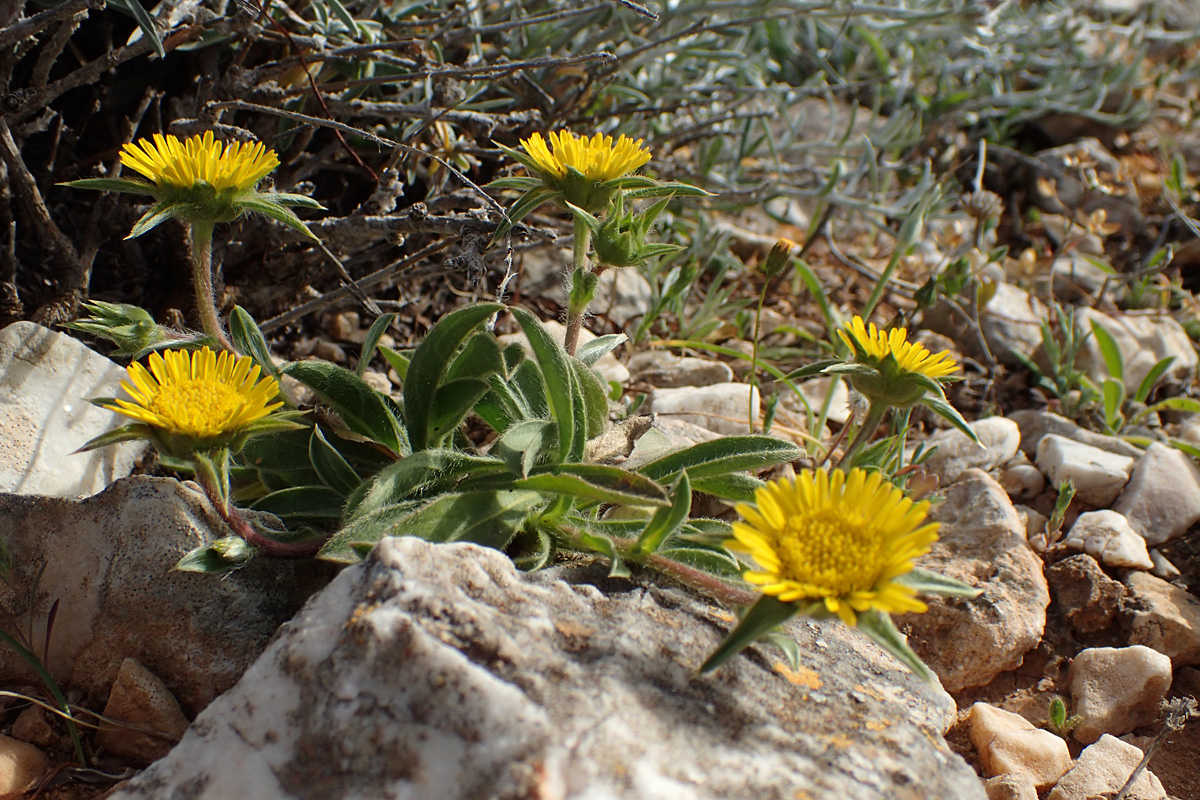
(199, 394)
(841, 538)
(183, 164)
(910, 356)
(599, 158)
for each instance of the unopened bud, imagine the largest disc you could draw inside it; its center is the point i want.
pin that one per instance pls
(779, 257)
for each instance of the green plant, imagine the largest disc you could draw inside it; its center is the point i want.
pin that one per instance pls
(1062, 378)
(1058, 722)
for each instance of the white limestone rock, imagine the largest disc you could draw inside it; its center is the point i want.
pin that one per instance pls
(108, 561)
(1037, 424)
(981, 542)
(1102, 770)
(1144, 340)
(1009, 744)
(1011, 787)
(999, 439)
(723, 408)
(142, 719)
(1117, 689)
(1108, 536)
(1098, 475)
(441, 671)
(21, 765)
(816, 390)
(664, 370)
(46, 380)
(1020, 478)
(1163, 617)
(1162, 498)
(1011, 320)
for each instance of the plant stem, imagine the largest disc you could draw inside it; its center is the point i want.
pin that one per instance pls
(206, 303)
(875, 414)
(762, 298)
(239, 525)
(701, 581)
(579, 267)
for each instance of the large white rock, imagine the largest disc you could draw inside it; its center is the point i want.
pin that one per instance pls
(1102, 770)
(1144, 340)
(1037, 424)
(46, 380)
(724, 408)
(1009, 744)
(1110, 538)
(665, 370)
(1117, 689)
(1164, 617)
(440, 671)
(107, 561)
(1162, 498)
(1097, 474)
(999, 439)
(982, 542)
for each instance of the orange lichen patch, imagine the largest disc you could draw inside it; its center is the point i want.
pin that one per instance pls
(878, 724)
(724, 616)
(801, 677)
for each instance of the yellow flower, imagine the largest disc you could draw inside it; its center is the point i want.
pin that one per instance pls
(599, 158)
(167, 160)
(838, 538)
(201, 394)
(910, 356)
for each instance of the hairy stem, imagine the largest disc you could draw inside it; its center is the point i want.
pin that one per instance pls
(206, 303)
(575, 309)
(875, 414)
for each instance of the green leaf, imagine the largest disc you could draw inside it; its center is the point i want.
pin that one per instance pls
(1058, 713)
(668, 520)
(591, 402)
(522, 444)
(424, 473)
(146, 23)
(488, 518)
(763, 617)
(288, 199)
(429, 364)
(938, 405)
(362, 408)
(926, 581)
(606, 546)
(735, 486)
(157, 215)
(113, 185)
(453, 401)
(812, 370)
(791, 650)
(218, 558)
(1152, 377)
(880, 628)
(1177, 404)
(332, 468)
(596, 482)
(396, 360)
(558, 380)
(302, 503)
(722, 456)
(712, 560)
(126, 433)
(592, 351)
(1110, 350)
(532, 550)
(249, 340)
(1114, 396)
(374, 334)
(278, 213)
(524, 206)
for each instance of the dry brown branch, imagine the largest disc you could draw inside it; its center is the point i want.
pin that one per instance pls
(39, 22)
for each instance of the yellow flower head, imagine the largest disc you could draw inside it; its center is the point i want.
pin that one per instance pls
(835, 537)
(200, 394)
(910, 356)
(183, 164)
(599, 158)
